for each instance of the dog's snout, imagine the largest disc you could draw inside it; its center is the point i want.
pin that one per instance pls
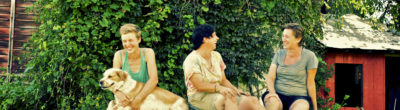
(101, 82)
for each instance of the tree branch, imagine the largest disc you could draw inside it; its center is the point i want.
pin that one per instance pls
(384, 13)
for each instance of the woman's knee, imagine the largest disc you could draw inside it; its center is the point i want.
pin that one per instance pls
(273, 100)
(252, 98)
(273, 103)
(300, 104)
(249, 99)
(219, 99)
(250, 103)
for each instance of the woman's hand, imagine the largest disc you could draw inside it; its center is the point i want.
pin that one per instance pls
(226, 91)
(240, 92)
(122, 98)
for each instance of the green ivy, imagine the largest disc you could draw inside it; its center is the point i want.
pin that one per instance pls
(387, 9)
(76, 41)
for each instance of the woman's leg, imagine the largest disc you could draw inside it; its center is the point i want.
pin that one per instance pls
(222, 102)
(272, 103)
(231, 103)
(250, 103)
(207, 101)
(219, 102)
(300, 104)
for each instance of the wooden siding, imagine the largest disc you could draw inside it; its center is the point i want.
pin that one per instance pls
(373, 77)
(24, 25)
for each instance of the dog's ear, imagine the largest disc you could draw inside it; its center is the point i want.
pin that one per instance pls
(122, 74)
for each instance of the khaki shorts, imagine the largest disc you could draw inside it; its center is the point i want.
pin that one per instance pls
(205, 101)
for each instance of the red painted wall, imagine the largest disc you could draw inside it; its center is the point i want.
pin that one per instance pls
(373, 77)
(24, 25)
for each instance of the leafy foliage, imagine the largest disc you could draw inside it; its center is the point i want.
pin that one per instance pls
(385, 12)
(76, 42)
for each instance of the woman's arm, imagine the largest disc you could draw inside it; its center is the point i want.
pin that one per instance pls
(311, 86)
(152, 71)
(225, 82)
(198, 82)
(117, 60)
(270, 79)
(118, 94)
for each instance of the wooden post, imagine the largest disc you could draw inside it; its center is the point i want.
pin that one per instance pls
(11, 36)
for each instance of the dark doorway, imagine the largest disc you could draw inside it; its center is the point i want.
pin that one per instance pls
(348, 81)
(392, 83)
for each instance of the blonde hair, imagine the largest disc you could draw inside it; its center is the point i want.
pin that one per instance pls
(130, 28)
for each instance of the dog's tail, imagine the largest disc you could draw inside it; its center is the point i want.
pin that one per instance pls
(180, 104)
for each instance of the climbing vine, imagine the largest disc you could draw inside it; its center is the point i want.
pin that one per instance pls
(76, 41)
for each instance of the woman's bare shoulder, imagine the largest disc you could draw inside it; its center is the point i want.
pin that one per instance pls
(118, 52)
(148, 51)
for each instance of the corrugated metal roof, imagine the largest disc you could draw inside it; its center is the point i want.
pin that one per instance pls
(357, 33)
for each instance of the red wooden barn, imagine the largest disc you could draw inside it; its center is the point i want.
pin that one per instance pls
(15, 20)
(366, 62)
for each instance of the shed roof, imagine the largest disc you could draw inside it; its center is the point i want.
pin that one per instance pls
(357, 33)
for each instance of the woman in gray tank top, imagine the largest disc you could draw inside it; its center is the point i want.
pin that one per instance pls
(290, 79)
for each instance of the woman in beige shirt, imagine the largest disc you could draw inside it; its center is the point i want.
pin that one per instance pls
(208, 88)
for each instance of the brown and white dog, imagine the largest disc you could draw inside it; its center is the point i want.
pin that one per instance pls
(159, 99)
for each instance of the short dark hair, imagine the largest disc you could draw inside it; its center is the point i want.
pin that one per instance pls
(297, 29)
(199, 33)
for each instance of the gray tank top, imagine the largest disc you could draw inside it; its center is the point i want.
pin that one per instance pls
(291, 79)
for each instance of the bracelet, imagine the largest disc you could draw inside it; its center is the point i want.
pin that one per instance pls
(215, 88)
